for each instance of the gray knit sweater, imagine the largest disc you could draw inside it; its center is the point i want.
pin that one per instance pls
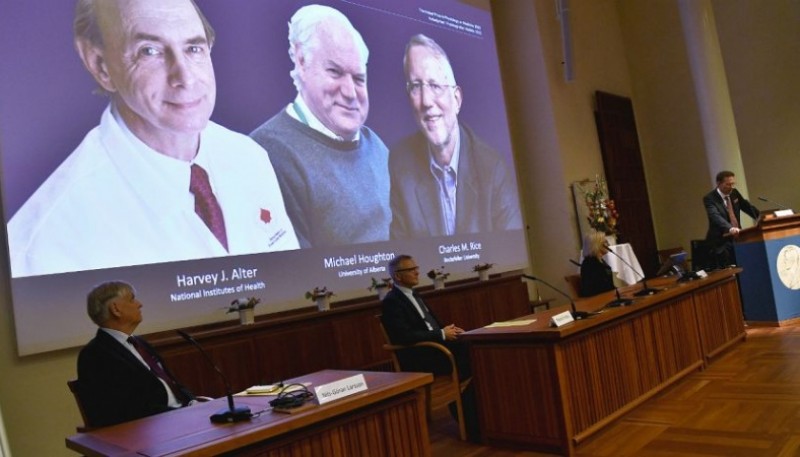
(336, 192)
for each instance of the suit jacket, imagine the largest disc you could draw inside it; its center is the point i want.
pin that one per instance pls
(718, 221)
(404, 325)
(486, 198)
(115, 386)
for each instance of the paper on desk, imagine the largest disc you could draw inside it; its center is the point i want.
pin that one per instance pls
(511, 323)
(271, 389)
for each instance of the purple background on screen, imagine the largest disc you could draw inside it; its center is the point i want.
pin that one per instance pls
(47, 106)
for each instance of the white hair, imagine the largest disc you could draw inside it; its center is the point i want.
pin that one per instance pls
(303, 27)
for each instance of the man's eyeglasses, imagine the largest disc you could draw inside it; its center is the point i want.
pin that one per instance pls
(415, 88)
(401, 270)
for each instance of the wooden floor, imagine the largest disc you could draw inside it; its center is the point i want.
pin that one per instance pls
(747, 403)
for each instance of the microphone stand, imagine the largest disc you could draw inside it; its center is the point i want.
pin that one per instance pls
(766, 200)
(232, 413)
(645, 290)
(619, 301)
(577, 315)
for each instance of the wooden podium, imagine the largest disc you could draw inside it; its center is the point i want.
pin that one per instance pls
(769, 253)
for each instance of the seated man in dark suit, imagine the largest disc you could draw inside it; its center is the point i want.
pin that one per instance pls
(408, 320)
(121, 377)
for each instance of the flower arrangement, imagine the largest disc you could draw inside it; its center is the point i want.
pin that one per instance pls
(482, 266)
(603, 215)
(241, 304)
(383, 283)
(318, 293)
(438, 273)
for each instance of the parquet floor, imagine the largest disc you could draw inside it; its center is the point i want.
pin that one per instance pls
(745, 404)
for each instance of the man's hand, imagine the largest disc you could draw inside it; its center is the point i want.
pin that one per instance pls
(734, 231)
(451, 332)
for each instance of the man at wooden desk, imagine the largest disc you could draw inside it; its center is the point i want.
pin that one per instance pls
(120, 376)
(408, 320)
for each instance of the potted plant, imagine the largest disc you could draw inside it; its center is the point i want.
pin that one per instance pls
(382, 287)
(244, 306)
(322, 297)
(483, 270)
(438, 276)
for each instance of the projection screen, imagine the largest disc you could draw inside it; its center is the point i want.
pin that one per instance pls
(49, 104)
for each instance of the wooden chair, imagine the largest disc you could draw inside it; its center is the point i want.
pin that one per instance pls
(574, 282)
(74, 387)
(444, 390)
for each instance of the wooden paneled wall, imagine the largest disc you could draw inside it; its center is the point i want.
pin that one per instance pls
(286, 345)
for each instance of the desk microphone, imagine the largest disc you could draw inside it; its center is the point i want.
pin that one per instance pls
(764, 199)
(232, 413)
(646, 290)
(577, 315)
(619, 301)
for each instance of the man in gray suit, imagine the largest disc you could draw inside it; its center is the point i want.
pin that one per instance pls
(445, 180)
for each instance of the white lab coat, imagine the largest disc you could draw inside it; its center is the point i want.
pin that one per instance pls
(115, 202)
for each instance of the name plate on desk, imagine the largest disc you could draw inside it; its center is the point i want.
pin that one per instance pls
(340, 389)
(561, 319)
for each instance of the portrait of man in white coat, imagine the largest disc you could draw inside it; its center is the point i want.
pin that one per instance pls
(156, 180)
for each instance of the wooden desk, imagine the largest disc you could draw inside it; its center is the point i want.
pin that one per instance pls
(548, 389)
(387, 419)
(347, 337)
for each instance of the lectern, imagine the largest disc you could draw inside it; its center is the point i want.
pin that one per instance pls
(769, 253)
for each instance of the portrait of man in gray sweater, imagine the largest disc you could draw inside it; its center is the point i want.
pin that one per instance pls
(332, 169)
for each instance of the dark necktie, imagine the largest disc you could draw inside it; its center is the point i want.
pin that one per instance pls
(731, 215)
(206, 205)
(426, 314)
(158, 370)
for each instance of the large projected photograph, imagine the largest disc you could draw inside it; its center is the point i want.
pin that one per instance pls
(245, 148)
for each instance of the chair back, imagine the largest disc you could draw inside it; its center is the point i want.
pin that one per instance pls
(574, 282)
(75, 387)
(445, 389)
(387, 345)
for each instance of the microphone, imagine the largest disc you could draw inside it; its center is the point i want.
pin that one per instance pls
(577, 315)
(645, 290)
(764, 199)
(232, 413)
(619, 301)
